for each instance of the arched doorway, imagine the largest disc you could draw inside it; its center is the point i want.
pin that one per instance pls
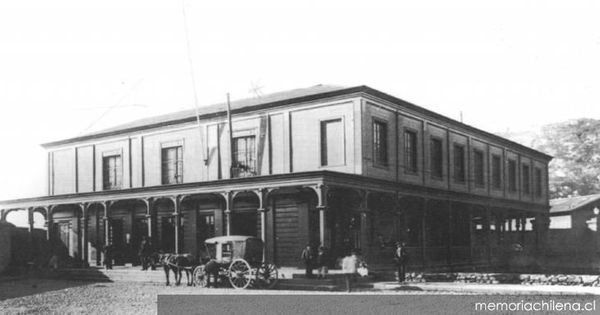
(244, 218)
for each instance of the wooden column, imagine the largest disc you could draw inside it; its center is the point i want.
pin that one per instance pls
(322, 191)
(30, 220)
(471, 213)
(148, 216)
(228, 195)
(105, 218)
(424, 232)
(488, 215)
(30, 228)
(262, 195)
(177, 218)
(364, 222)
(450, 238)
(49, 223)
(84, 232)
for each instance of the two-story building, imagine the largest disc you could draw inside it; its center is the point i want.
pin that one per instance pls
(345, 167)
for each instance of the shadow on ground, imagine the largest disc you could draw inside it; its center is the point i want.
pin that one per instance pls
(408, 288)
(44, 281)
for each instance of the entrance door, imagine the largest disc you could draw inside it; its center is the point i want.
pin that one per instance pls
(167, 235)
(63, 231)
(117, 240)
(205, 228)
(245, 223)
(140, 230)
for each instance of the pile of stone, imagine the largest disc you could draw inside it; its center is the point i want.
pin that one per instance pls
(414, 277)
(575, 280)
(487, 278)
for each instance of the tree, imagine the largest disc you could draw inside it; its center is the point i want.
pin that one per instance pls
(575, 145)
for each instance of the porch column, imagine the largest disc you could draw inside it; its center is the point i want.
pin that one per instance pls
(450, 238)
(106, 205)
(177, 217)
(424, 231)
(364, 222)
(471, 215)
(523, 228)
(148, 216)
(30, 227)
(321, 191)
(488, 216)
(84, 232)
(262, 195)
(49, 223)
(228, 195)
(30, 220)
(542, 223)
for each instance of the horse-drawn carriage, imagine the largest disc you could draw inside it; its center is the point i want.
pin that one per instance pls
(238, 259)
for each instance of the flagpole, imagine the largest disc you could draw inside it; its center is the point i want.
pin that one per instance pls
(231, 154)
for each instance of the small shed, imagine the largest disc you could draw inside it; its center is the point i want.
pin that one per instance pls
(574, 234)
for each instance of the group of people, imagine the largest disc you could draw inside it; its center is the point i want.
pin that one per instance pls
(351, 265)
(319, 261)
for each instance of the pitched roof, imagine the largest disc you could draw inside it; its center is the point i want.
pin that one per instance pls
(572, 204)
(312, 93)
(220, 107)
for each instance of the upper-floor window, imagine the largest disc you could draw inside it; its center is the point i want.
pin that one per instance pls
(244, 156)
(478, 168)
(380, 148)
(512, 175)
(112, 172)
(496, 172)
(332, 142)
(410, 151)
(172, 165)
(459, 163)
(526, 179)
(437, 158)
(538, 182)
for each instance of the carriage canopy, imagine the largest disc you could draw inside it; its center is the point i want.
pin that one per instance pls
(228, 248)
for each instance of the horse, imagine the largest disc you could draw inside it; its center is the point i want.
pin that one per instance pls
(178, 263)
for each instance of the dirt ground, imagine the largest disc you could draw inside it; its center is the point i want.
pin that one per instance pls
(33, 296)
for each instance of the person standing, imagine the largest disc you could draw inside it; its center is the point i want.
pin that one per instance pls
(349, 267)
(307, 258)
(108, 256)
(401, 258)
(322, 262)
(144, 253)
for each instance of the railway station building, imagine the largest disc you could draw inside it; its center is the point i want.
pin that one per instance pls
(344, 167)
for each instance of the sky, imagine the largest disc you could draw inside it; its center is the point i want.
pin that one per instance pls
(68, 67)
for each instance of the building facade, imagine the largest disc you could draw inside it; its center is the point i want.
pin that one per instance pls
(345, 167)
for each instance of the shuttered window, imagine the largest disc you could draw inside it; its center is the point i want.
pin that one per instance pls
(496, 172)
(332, 142)
(112, 172)
(380, 148)
(437, 158)
(459, 163)
(512, 175)
(410, 151)
(244, 156)
(478, 168)
(172, 165)
(526, 180)
(538, 182)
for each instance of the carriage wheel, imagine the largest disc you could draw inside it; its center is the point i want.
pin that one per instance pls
(267, 275)
(200, 277)
(240, 274)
